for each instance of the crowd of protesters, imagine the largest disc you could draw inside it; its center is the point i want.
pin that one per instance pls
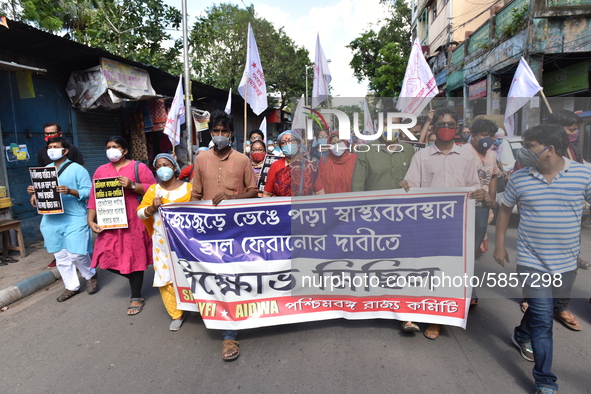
(450, 155)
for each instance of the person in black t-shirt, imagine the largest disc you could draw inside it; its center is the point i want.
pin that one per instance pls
(51, 130)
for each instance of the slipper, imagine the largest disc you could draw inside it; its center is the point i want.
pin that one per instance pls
(523, 305)
(568, 320)
(474, 301)
(408, 326)
(230, 347)
(176, 324)
(133, 310)
(432, 331)
(583, 264)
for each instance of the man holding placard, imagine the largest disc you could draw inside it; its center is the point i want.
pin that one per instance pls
(66, 233)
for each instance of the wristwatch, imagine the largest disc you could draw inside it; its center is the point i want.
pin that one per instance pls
(133, 186)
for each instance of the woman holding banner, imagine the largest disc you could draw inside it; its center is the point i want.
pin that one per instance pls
(336, 171)
(124, 251)
(285, 176)
(170, 189)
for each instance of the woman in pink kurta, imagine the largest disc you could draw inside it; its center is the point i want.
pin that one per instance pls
(125, 251)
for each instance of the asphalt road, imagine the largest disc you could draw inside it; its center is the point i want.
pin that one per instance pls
(89, 345)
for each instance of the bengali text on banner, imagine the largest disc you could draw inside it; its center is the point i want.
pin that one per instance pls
(264, 262)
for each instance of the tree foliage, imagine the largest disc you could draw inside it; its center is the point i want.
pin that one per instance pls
(134, 29)
(381, 56)
(218, 45)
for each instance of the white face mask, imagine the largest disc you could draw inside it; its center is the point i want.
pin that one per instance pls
(339, 149)
(114, 154)
(55, 153)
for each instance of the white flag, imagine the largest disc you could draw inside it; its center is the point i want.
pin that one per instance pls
(228, 108)
(367, 123)
(263, 128)
(523, 87)
(253, 73)
(322, 76)
(298, 121)
(419, 84)
(176, 115)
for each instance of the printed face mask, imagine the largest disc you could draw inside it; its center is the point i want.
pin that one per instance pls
(573, 137)
(55, 153)
(257, 157)
(165, 173)
(114, 154)
(466, 137)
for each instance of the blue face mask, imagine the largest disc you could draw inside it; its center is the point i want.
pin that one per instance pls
(467, 137)
(498, 141)
(165, 173)
(290, 150)
(430, 143)
(322, 141)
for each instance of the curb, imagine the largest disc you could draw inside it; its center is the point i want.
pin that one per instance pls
(28, 286)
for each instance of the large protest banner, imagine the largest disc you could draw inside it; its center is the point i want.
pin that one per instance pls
(262, 262)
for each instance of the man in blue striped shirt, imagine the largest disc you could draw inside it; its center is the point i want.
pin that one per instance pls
(550, 190)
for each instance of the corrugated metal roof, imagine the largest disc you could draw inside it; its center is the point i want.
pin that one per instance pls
(24, 44)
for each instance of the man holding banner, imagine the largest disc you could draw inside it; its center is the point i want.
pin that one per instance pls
(67, 235)
(223, 173)
(442, 165)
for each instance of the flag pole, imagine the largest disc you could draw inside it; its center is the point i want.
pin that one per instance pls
(246, 87)
(245, 114)
(188, 113)
(545, 100)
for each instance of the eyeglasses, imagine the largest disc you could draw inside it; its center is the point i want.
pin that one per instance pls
(287, 142)
(52, 133)
(449, 125)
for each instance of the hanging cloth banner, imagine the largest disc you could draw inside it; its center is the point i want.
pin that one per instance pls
(109, 85)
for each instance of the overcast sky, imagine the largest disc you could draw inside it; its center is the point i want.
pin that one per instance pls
(338, 22)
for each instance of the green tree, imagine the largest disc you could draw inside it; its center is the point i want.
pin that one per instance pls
(134, 29)
(381, 56)
(218, 52)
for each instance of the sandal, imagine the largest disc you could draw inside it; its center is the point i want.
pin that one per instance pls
(230, 350)
(66, 295)
(523, 305)
(432, 331)
(583, 264)
(474, 301)
(568, 320)
(408, 326)
(133, 310)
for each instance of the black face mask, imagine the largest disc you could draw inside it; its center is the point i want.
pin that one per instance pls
(485, 144)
